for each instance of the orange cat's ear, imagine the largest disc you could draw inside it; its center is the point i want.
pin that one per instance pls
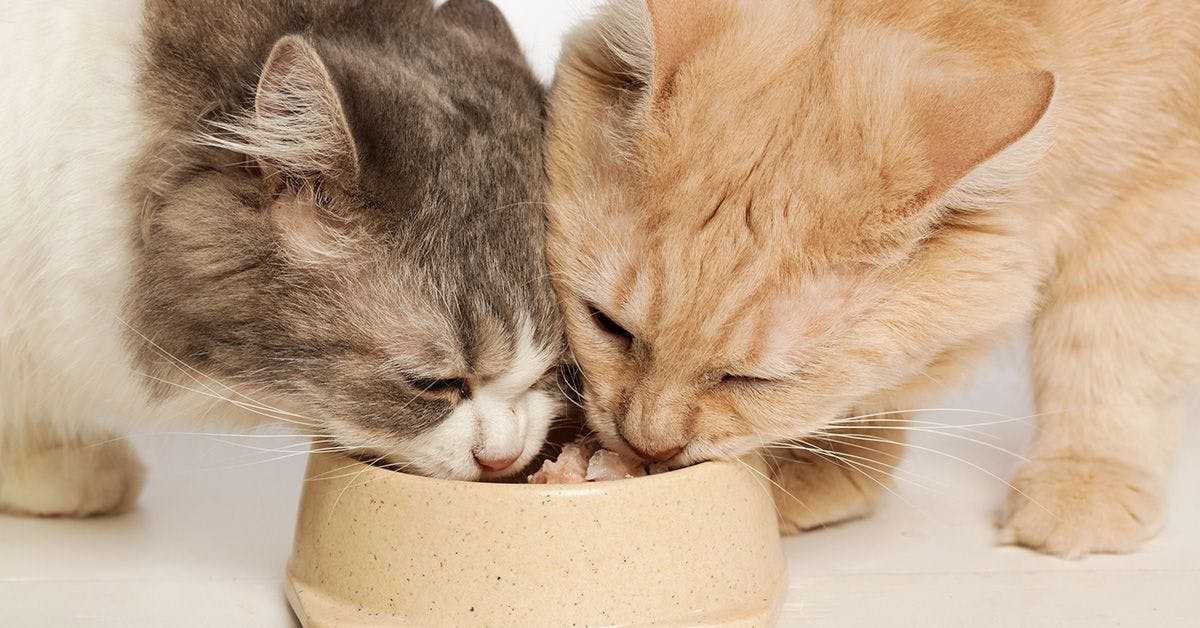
(966, 120)
(645, 43)
(678, 30)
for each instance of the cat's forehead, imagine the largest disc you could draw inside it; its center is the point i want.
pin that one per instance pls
(437, 321)
(656, 281)
(760, 320)
(444, 119)
(796, 145)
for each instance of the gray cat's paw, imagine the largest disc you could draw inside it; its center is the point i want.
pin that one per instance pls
(76, 481)
(1074, 507)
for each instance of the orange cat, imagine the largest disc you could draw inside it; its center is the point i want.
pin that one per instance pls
(771, 215)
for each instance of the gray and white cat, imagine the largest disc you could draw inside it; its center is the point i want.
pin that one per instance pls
(321, 212)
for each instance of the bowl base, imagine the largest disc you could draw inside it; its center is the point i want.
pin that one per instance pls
(316, 610)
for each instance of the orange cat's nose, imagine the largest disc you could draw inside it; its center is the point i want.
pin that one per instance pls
(661, 456)
(656, 456)
(655, 428)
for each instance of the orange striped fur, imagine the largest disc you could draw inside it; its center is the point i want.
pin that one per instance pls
(788, 212)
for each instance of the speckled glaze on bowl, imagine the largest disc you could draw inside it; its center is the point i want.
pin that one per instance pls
(698, 546)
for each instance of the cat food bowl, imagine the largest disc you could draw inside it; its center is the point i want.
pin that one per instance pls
(697, 546)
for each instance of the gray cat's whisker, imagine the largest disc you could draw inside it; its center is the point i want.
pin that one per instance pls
(355, 476)
(253, 463)
(333, 474)
(317, 445)
(569, 398)
(298, 435)
(350, 483)
(135, 436)
(291, 448)
(251, 406)
(263, 411)
(193, 372)
(396, 467)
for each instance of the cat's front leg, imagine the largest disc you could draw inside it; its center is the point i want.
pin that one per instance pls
(1113, 349)
(77, 477)
(823, 481)
(1077, 505)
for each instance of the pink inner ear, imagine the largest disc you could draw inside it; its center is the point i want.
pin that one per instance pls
(679, 29)
(299, 125)
(967, 119)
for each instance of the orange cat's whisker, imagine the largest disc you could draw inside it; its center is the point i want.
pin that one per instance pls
(777, 485)
(925, 430)
(874, 439)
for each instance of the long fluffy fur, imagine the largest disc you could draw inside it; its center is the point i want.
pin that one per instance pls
(148, 274)
(296, 124)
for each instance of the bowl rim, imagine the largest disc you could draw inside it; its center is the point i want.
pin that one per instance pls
(683, 474)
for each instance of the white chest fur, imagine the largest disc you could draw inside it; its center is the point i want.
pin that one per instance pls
(70, 130)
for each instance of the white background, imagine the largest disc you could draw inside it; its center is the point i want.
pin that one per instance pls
(209, 543)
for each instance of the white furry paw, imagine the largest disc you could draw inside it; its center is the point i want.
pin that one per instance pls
(813, 491)
(74, 481)
(1074, 507)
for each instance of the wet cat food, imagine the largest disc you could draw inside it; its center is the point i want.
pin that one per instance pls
(585, 461)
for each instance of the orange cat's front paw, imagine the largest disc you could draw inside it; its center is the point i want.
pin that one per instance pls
(813, 491)
(1074, 507)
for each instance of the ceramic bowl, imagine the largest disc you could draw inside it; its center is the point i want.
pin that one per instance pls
(697, 546)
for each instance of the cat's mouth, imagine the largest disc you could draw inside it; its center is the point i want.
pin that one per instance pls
(402, 464)
(442, 462)
(511, 472)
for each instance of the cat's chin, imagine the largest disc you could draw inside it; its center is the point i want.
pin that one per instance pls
(464, 470)
(436, 471)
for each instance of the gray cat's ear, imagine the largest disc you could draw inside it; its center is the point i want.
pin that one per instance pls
(990, 127)
(301, 122)
(479, 16)
(298, 127)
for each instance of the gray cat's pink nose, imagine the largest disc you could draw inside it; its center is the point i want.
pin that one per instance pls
(495, 464)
